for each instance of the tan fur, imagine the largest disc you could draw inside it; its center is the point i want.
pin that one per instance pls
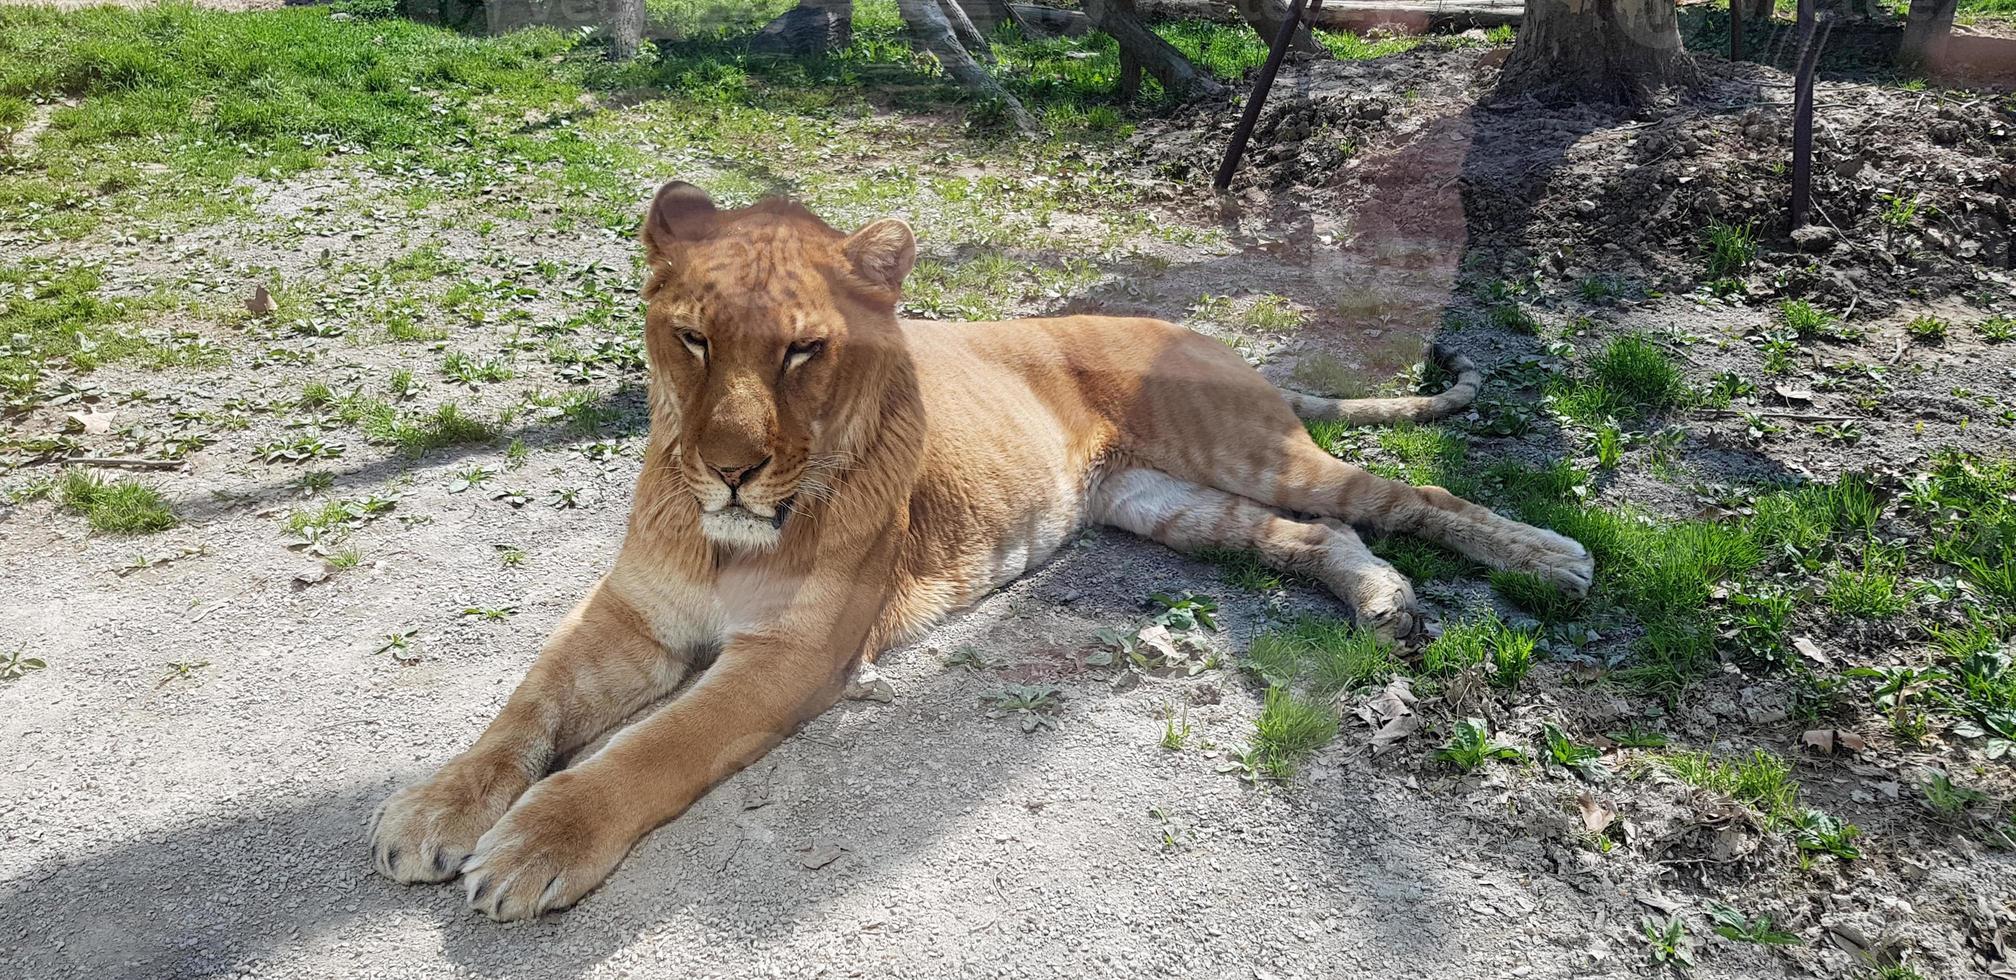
(886, 474)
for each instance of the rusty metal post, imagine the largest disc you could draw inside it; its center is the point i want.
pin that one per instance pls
(1261, 83)
(1802, 115)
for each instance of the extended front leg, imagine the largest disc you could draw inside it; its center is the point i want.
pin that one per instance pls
(568, 832)
(598, 668)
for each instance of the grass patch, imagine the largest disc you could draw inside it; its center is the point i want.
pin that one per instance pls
(1505, 650)
(1731, 249)
(1329, 655)
(1547, 602)
(124, 506)
(1630, 377)
(417, 435)
(52, 310)
(1288, 731)
(1243, 569)
(1761, 780)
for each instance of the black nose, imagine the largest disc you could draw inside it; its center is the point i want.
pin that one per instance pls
(735, 476)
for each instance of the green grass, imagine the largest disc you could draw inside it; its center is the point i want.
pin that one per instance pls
(1329, 656)
(1873, 591)
(124, 506)
(53, 310)
(1970, 502)
(1632, 376)
(1731, 249)
(1805, 319)
(1761, 780)
(416, 435)
(1243, 569)
(1288, 730)
(1547, 602)
(1478, 641)
(216, 96)
(1928, 329)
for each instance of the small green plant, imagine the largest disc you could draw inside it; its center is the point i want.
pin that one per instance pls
(1997, 329)
(1871, 592)
(1175, 733)
(1505, 651)
(1638, 738)
(124, 506)
(1732, 924)
(1608, 445)
(1947, 800)
(297, 449)
(1332, 655)
(1470, 745)
(1818, 832)
(1667, 942)
(1898, 212)
(1928, 328)
(1805, 320)
(970, 657)
(1731, 249)
(17, 666)
(1036, 705)
(1585, 761)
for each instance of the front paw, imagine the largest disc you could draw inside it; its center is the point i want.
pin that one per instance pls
(423, 832)
(561, 839)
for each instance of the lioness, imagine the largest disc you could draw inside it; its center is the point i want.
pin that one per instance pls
(824, 480)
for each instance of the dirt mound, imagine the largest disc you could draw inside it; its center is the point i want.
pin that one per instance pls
(1911, 187)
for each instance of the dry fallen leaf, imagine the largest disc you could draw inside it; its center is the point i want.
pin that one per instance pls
(1597, 815)
(1811, 651)
(91, 423)
(261, 302)
(1792, 394)
(1820, 739)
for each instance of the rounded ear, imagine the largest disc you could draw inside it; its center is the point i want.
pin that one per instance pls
(680, 214)
(882, 253)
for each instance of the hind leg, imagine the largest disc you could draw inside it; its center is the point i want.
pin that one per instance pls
(1189, 517)
(1314, 482)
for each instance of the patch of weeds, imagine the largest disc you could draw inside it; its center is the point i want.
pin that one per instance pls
(1599, 289)
(1608, 445)
(1755, 624)
(1947, 800)
(1289, 729)
(299, 448)
(1997, 329)
(1513, 318)
(462, 369)
(1470, 745)
(1667, 943)
(1036, 705)
(1175, 733)
(1328, 375)
(1638, 738)
(1731, 249)
(1271, 312)
(1928, 329)
(1585, 761)
(1734, 925)
(124, 506)
(416, 436)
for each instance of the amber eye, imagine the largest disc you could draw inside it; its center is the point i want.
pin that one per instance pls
(695, 341)
(802, 351)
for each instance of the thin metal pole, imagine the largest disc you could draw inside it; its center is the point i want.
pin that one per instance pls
(1735, 30)
(1802, 115)
(1261, 83)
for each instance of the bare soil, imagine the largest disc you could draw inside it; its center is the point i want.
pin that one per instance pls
(208, 822)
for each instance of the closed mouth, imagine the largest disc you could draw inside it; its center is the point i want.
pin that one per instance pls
(775, 519)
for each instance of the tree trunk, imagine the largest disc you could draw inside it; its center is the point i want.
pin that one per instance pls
(1926, 30)
(814, 28)
(929, 30)
(1147, 49)
(1597, 51)
(626, 28)
(1265, 17)
(969, 36)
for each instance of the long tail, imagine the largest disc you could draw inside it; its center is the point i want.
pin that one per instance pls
(1372, 411)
